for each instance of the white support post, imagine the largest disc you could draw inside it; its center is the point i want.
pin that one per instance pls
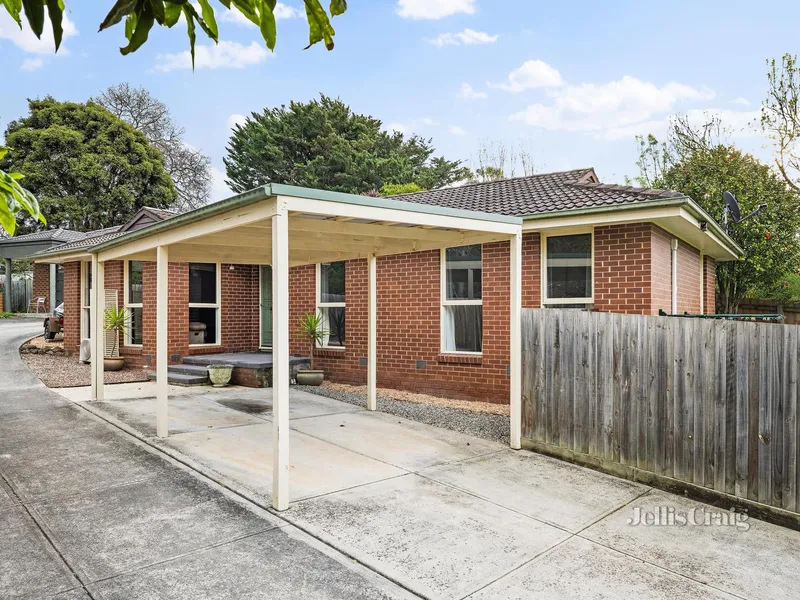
(372, 334)
(162, 348)
(98, 327)
(515, 363)
(280, 359)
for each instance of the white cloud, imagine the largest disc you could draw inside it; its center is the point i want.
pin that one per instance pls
(617, 106)
(236, 119)
(468, 37)
(739, 123)
(412, 126)
(219, 189)
(25, 40)
(741, 101)
(397, 128)
(31, 64)
(282, 11)
(225, 55)
(468, 93)
(434, 9)
(532, 74)
(456, 130)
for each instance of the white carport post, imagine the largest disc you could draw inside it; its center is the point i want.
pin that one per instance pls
(280, 358)
(515, 365)
(98, 326)
(162, 350)
(372, 334)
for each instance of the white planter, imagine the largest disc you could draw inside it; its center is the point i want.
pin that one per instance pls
(220, 375)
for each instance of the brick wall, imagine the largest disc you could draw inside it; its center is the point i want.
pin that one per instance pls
(622, 264)
(531, 270)
(709, 285)
(689, 278)
(41, 284)
(240, 307)
(72, 308)
(661, 270)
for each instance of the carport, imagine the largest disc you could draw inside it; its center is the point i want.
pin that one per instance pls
(286, 226)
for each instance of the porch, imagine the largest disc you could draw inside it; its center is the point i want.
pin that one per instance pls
(250, 369)
(281, 227)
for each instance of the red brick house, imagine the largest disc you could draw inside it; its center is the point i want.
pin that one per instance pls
(442, 315)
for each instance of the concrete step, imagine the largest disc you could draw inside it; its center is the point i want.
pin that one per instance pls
(189, 370)
(183, 379)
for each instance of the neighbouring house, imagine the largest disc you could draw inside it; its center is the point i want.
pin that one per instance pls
(442, 315)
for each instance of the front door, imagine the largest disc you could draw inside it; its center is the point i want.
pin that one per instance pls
(266, 307)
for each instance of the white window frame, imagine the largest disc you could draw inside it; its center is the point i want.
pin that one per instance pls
(217, 305)
(129, 305)
(543, 267)
(445, 302)
(321, 305)
(86, 311)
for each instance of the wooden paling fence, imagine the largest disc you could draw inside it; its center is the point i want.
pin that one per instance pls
(706, 402)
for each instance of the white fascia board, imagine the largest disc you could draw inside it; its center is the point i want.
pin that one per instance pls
(397, 215)
(236, 217)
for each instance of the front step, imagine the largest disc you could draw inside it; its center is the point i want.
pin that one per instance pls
(184, 375)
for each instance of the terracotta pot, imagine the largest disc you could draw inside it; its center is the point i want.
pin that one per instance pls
(113, 364)
(220, 375)
(309, 377)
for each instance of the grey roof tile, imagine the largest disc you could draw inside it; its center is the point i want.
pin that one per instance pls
(535, 194)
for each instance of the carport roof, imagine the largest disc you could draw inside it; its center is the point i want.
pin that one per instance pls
(275, 189)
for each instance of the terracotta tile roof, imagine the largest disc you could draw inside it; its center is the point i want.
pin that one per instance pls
(546, 192)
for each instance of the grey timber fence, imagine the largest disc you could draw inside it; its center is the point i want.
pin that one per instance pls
(713, 404)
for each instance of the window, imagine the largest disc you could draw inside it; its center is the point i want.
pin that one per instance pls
(86, 300)
(204, 290)
(133, 302)
(462, 303)
(331, 302)
(568, 272)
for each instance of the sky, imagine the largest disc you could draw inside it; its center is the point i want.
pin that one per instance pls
(570, 83)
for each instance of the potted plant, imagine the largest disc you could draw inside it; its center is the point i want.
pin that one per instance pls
(117, 320)
(312, 329)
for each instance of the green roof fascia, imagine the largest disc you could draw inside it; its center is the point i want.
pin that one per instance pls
(276, 189)
(681, 201)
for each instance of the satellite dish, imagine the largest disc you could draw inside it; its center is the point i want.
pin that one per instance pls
(732, 206)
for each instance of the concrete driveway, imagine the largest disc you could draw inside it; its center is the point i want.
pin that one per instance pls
(87, 511)
(446, 515)
(93, 506)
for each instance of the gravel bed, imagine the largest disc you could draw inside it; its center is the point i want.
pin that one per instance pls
(480, 424)
(60, 371)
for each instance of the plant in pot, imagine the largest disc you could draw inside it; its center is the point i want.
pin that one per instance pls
(116, 320)
(312, 329)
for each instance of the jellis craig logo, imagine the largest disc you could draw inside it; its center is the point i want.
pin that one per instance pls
(669, 516)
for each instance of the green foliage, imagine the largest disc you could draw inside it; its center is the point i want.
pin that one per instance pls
(323, 144)
(14, 199)
(88, 168)
(5, 315)
(780, 119)
(312, 329)
(395, 189)
(117, 320)
(141, 15)
(700, 165)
